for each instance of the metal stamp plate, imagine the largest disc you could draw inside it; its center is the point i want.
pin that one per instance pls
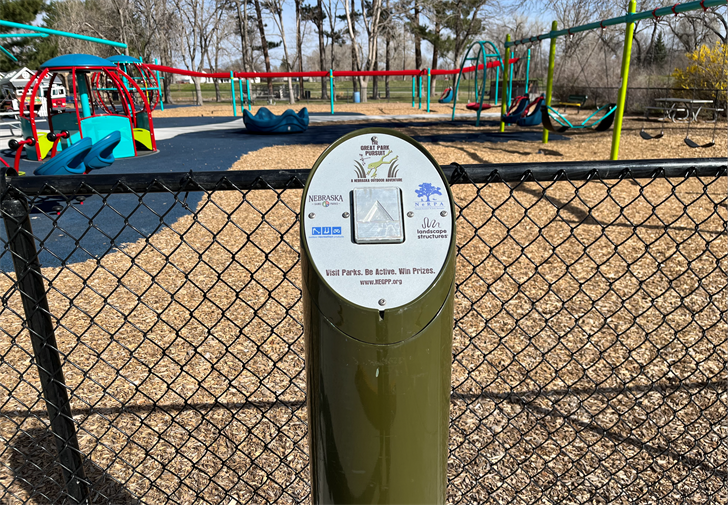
(378, 216)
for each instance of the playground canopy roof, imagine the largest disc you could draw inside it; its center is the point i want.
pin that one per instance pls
(123, 58)
(77, 60)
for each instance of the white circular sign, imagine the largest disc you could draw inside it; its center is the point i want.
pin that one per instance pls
(377, 220)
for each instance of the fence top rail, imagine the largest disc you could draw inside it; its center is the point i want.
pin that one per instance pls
(295, 179)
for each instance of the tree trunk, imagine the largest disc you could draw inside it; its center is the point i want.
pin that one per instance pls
(198, 90)
(418, 39)
(435, 54)
(322, 48)
(243, 36)
(387, 59)
(375, 80)
(299, 51)
(264, 43)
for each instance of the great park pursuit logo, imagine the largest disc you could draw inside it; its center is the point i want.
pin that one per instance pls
(373, 160)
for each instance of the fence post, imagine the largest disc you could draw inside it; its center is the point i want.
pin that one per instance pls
(622, 98)
(550, 78)
(32, 291)
(507, 68)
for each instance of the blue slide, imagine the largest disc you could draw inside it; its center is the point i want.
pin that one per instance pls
(264, 121)
(67, 161)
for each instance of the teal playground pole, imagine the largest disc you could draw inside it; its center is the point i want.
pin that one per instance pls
(626, 55)
(159, 87)
(242, 96)
(510, 84)
(48, 31)
(13, 35)
(419, 90)
(506, 86)
(9, 54)
(429, 83)
(528, 68)
(232, 90)
(413, 92)
(550, 77)
(247, 85)
(497, 81)
(331, 89)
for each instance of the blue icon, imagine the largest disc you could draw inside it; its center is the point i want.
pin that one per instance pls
(336, 230)
(316, 230)
(326, 230)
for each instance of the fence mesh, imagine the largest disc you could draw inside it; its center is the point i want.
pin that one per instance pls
(588, 360)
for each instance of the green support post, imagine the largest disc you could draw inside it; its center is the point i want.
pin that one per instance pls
(331, 89)
(550, 77)
(413, 91)
(528, 68)
(429, 83)
(247, 85)
(232, 89)
(419, 90)
(506, 72)
(159, 87)
(628, 37)
(497, 82)
(242, 96)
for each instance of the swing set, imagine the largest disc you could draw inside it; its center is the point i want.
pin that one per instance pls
(613, 113)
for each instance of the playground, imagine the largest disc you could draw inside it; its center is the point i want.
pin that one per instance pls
(164, 266)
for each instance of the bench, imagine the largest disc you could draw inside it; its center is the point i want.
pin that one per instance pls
(577, 101)
(715, 110)
(667, 112)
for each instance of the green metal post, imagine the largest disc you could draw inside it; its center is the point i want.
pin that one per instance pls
(331, 89)
(429, 83)
(242, 96)
(497, 81)
(550, 77)
(528, 68)
(507, 69)
(232, 90)
(247, 85)
(419, 90)
(159, 87)
(628, 37)
(413, 91)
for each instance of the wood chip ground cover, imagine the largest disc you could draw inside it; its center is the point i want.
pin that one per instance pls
(587, 356)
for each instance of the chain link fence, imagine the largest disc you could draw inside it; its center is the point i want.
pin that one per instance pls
(152, 351)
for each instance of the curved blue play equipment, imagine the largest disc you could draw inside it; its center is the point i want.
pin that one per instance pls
(264, 121)
(101, 154)
(532, 115)
(68, 161)
(485, 52)
(515, 111)
(446, 96)
(599, 123)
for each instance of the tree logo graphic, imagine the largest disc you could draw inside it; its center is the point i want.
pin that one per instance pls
(426, 190)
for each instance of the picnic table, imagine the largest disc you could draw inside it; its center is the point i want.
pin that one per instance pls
(671, 107)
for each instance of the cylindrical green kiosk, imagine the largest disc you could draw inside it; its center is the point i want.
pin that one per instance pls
(378, 265)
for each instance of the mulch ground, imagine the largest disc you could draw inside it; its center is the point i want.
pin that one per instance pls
(587, 345)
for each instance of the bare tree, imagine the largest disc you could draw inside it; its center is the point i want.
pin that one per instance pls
(372, 27)
(276, 8)
(263, 43)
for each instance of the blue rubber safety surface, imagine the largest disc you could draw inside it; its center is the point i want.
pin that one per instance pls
(197, 151)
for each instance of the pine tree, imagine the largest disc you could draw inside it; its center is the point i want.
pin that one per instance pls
(30, 52)
(659, 52)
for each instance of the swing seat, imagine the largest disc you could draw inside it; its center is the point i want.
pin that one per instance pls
(546, 120)
(478, 106)
(516, 110)
(532, 115)
(606, 121)
(647, 136)
(694, 145)
(446, 96)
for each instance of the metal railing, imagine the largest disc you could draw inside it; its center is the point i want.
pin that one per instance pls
(151, 339)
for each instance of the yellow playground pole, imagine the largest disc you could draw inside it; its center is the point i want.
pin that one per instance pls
(550, 78)
(506, 73)
(622, 98)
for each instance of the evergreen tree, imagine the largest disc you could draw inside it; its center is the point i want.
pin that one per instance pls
(30, 52)
(659, 52)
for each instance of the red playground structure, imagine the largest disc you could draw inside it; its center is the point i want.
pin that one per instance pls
(88, 118)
